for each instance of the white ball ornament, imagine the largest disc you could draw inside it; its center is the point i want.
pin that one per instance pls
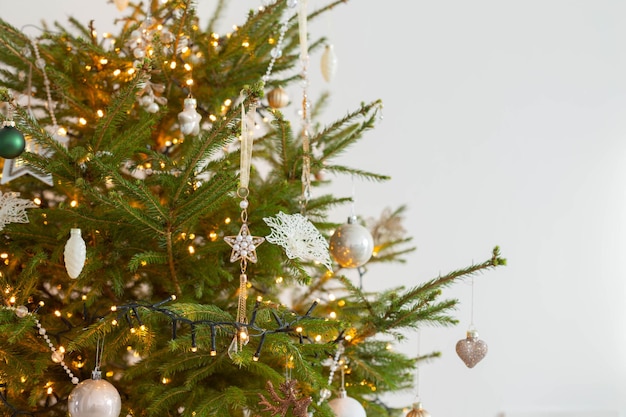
(75, 253)
(344, 406)
(94, 398)
(352, 245)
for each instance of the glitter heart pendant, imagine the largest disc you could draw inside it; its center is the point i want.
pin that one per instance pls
(471, 350)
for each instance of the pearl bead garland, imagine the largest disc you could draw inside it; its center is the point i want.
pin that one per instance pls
(57, 354)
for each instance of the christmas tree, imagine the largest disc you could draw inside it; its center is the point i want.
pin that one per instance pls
(165, 229)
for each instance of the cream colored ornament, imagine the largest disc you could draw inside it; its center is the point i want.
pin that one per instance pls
(329, 63)
(75, 254)
(121, 4)
(189, 118)
(352, 245)
(277, 98)
(344, 406)
(417, 411)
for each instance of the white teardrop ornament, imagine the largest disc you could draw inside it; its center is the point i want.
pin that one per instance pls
(189, 118)
(75, 254)
(329, 63)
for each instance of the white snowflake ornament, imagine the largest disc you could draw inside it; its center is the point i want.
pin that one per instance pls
(13, 209)
(300, 239)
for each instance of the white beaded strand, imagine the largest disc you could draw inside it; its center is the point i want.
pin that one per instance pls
(41, 64)
(325, 392)
(57, 354)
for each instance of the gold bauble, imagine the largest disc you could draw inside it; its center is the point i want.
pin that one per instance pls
(277, 98)
(417, 411)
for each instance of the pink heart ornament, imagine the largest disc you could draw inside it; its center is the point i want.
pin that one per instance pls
(471, 350)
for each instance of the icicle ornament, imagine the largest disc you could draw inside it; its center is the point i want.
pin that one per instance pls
(75, 253)
(328, 63)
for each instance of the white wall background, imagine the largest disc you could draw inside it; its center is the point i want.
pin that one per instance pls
(504, 123)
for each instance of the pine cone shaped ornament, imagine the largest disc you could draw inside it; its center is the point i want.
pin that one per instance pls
(75, 253)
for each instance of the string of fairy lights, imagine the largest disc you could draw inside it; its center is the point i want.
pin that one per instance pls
(131, 313)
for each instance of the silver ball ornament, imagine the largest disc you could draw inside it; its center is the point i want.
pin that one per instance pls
(94, 398)
(352, 245)
(344, 406)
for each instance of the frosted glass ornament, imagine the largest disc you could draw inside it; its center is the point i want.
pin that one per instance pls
(189, 118)
(352, 245)
(344, 406)
(329, 63)
(94, 398)
(471, 350)
(75, 254)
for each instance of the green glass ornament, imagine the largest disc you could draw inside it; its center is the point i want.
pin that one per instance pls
(12, 142)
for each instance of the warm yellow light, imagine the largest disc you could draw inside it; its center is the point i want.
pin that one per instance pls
(84, 297)
(271, 41)
(341, 303)
(4, 255)
(117, 72)
(73, 203)
(109, 374)
(131, 71)
(133, 330)
(188, 67)
(113, 308)
(165, 380)
(82, 121)
(114, 322)
(212, 117)
(192, 236)
(184, 50)
(318, 337)
(173, 65)
(243, 335)
(22, 379)
(348, 337)
(279, 280)
(104, 61)
(88, 67)
(100, 113)
(191, 249)
(142, 328)
(12, 300)
(299, 329)
(61, 349)
(245, 44)
(57, 313)
(189, 81)
(194, 349)
(331, 297)
(144, 263)
(213, 236)
(213, 353)
(62, 131)
(333, 315)
(227, 220)
(228, 102)
(50, 391)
